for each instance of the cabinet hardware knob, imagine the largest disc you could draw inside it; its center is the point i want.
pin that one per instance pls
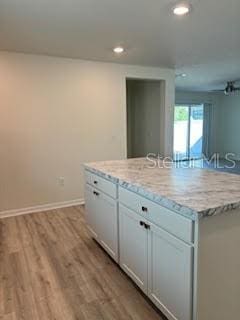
(96, 193)
(145, 225)
(95, 182)
(144, 209)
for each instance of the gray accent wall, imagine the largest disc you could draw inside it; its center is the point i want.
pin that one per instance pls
(228, 129)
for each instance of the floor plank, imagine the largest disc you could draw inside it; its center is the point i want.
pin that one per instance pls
(51, 269)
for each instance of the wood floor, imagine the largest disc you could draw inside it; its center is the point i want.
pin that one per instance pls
(50, 268)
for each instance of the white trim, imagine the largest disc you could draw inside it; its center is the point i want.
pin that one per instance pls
(44, 207)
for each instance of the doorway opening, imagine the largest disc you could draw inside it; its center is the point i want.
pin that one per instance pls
(188, 132)
(144, 103)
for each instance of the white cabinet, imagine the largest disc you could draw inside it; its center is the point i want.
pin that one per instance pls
(108, 227)
(133, 239)
(159, 263)
(168, 220)
(170, 274)
(91, 211)
(100, 183)
(102, 219)
(152, 244)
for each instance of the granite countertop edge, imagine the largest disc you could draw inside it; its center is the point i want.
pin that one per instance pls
(165, 202)
(162, 200)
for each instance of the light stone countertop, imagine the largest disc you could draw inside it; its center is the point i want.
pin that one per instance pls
(191, 192)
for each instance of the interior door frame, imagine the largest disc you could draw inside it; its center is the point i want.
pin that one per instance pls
(166, 118)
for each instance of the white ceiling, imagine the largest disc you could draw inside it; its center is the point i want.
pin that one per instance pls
(205, 44)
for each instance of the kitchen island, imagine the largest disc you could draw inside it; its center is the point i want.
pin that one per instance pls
(174, 231)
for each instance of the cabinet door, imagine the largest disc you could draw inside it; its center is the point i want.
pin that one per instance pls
(108, 232)
(170, 274)
(133, 246)
(92, 217)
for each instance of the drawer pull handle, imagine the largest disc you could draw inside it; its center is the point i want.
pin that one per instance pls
(145, 225)
(95, 182)
(144, 209)
(96, 193)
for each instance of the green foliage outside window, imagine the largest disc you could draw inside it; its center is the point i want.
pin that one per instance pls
(181, 114)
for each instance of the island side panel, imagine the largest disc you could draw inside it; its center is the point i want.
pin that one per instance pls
(218, 275)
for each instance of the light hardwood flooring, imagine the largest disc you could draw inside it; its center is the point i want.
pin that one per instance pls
(50, 268)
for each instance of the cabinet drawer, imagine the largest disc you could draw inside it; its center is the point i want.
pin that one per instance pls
(170, 221)
(102, 184)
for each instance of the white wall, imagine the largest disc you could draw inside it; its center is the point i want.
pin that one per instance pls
(57, 113)
(144, 115)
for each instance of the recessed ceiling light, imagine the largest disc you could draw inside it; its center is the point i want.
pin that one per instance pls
(181, 75)
(118, 50)
(181, 9)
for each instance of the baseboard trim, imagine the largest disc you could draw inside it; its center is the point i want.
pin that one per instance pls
(44, 207)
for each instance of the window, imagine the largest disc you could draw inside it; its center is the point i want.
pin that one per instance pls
(188, 132)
